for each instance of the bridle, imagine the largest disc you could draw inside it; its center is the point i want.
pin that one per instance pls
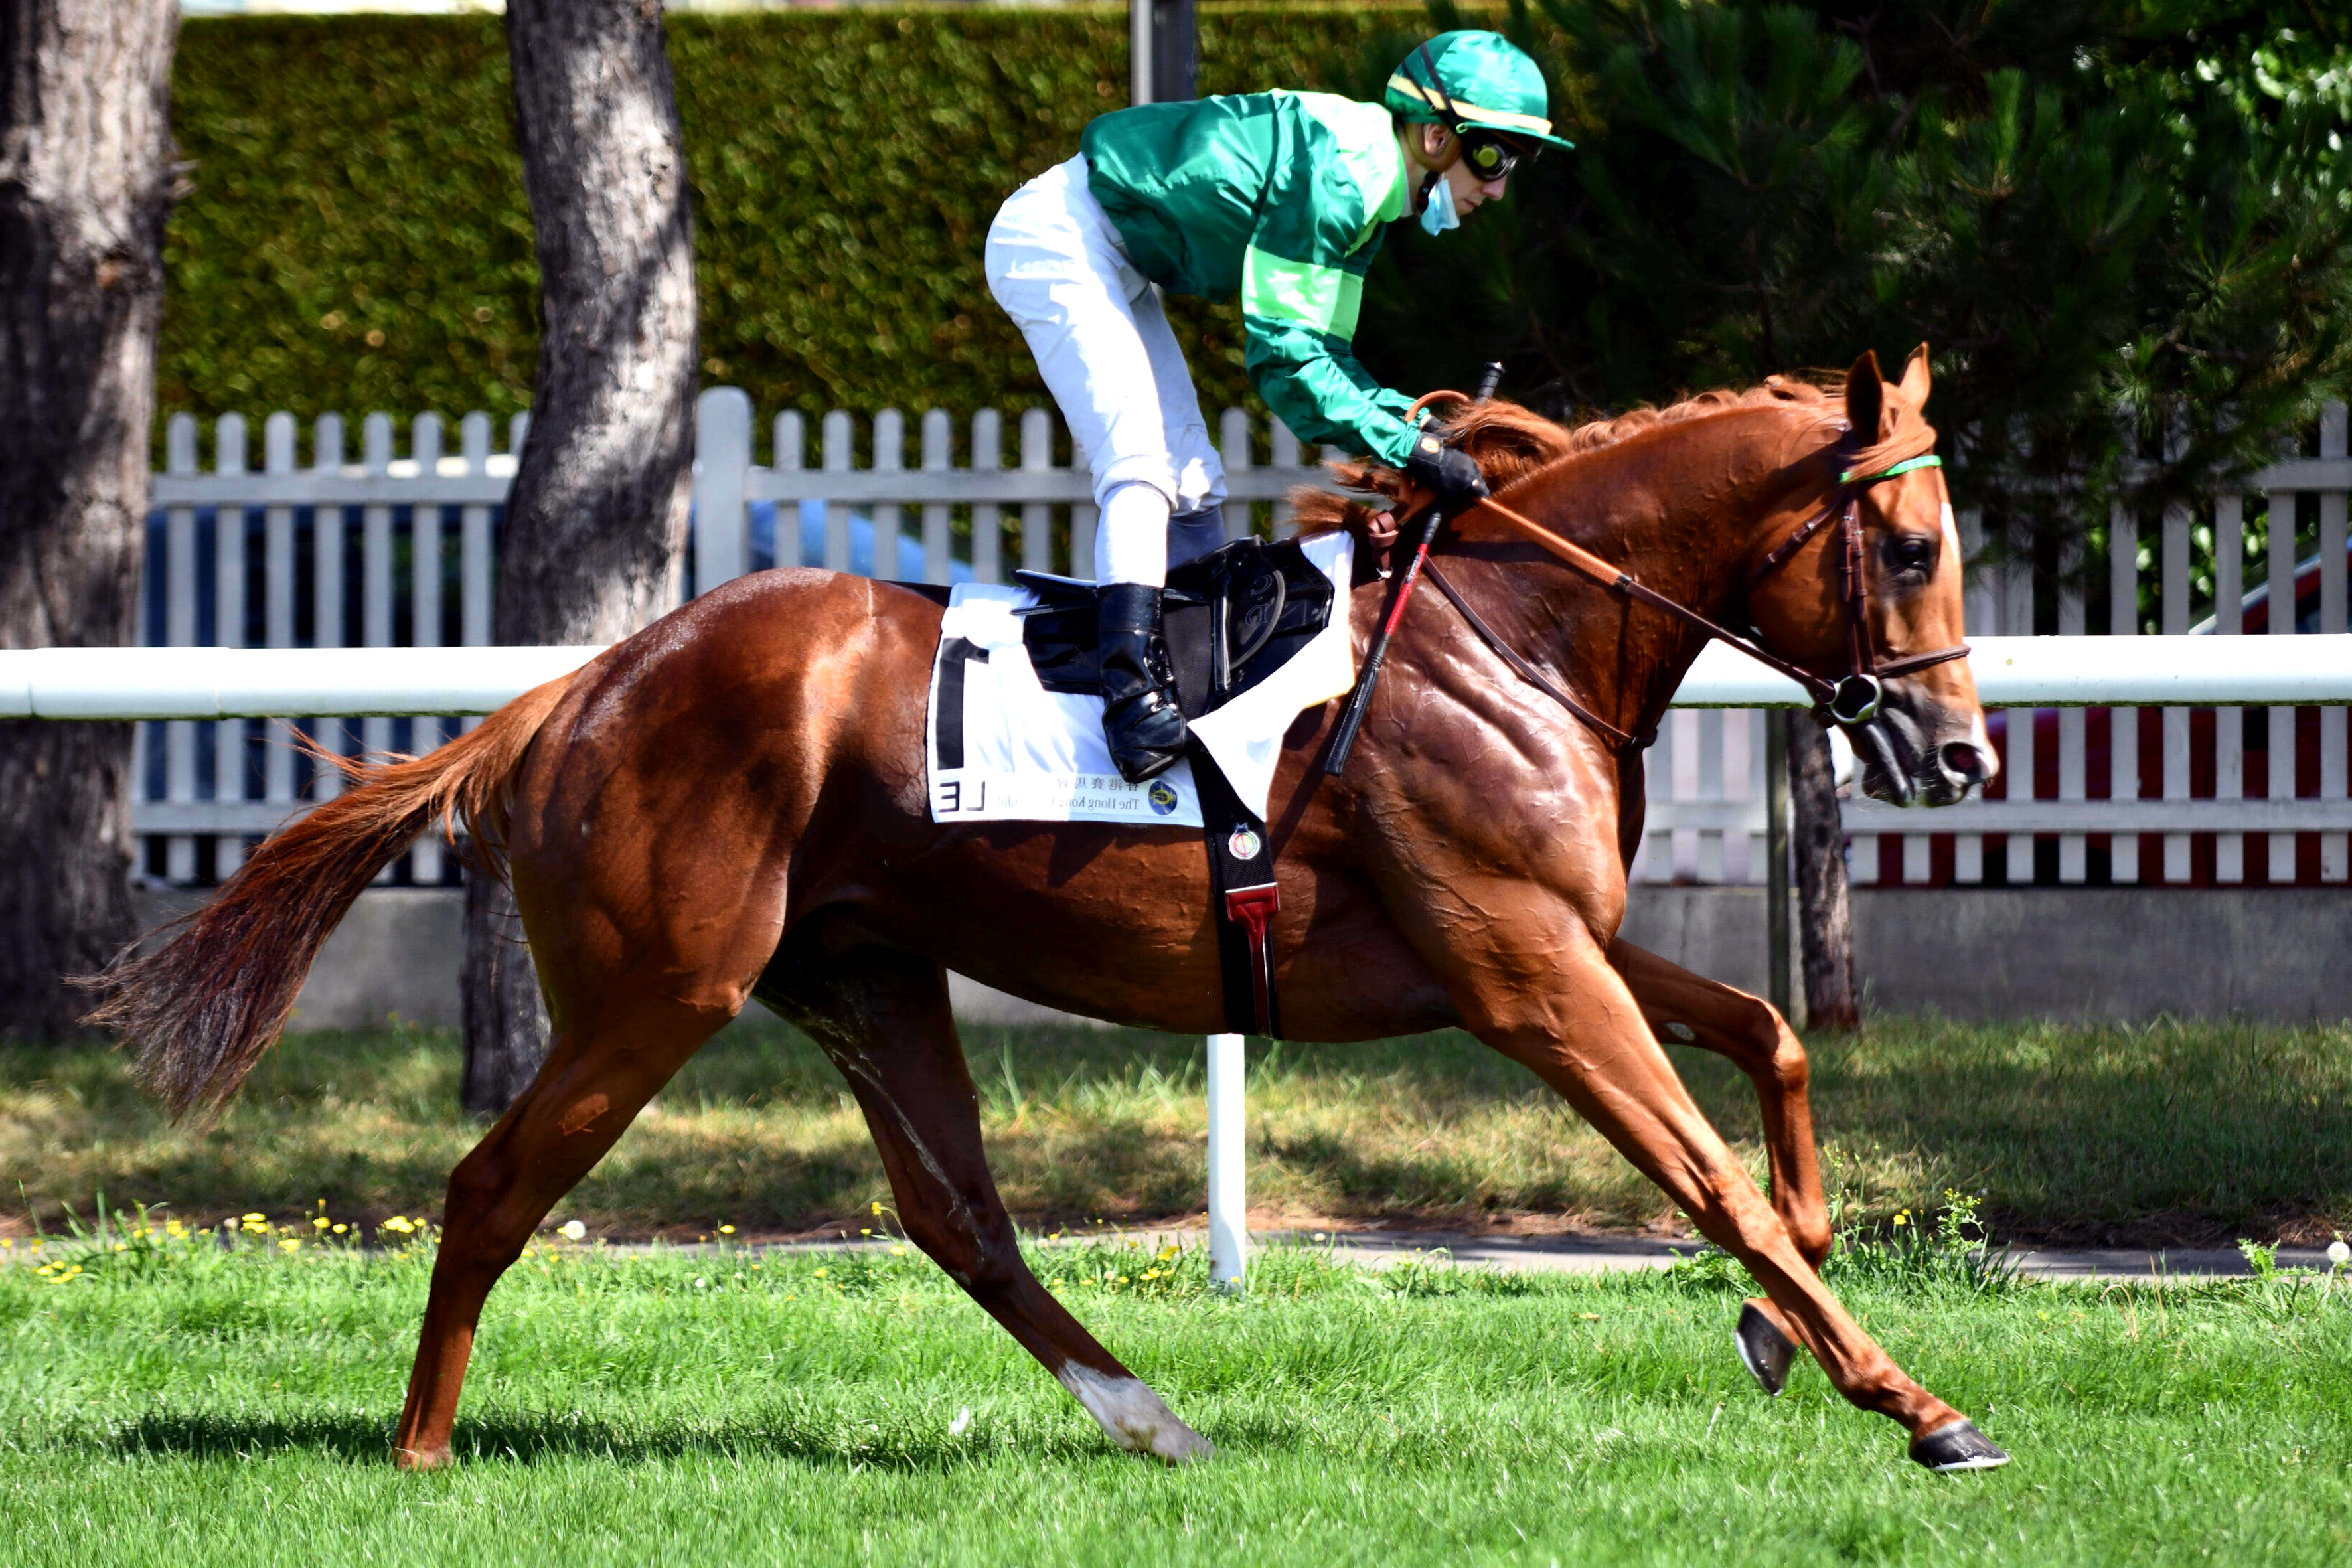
(1853, 700)
(1856, 698)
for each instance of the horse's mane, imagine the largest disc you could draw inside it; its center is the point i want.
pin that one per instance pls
(1511, 442)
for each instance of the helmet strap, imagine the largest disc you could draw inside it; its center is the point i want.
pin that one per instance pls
(1441, 162)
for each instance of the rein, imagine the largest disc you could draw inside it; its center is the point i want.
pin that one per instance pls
(1851, 700)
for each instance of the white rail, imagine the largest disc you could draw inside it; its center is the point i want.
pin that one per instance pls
(249, 683)
(399, 547)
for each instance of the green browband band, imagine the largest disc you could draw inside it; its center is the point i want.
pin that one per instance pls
(1929, 461)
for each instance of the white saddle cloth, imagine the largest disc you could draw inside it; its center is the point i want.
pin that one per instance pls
(1034, 755)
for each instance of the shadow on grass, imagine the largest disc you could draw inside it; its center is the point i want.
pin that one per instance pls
(545, 1439)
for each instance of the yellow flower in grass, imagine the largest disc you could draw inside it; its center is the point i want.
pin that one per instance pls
(289, 1244)
(726, 1230)
(400, 1226)
(320, 1221)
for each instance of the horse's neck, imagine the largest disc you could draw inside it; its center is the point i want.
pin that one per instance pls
(1680, 509)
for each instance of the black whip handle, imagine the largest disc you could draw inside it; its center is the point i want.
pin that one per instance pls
(1360, 701)
(1352, 718)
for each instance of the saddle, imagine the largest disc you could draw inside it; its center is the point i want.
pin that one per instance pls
(1231, 618)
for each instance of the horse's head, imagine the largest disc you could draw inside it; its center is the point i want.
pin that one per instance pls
(1926, 744)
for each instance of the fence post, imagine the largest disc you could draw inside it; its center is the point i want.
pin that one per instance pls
(2230, 723)
(1282, 452)
(2123, 723)
(2175, 609)
(789, 442)
(1776, 857)
(2073, 848)
(1036, 518)
(889, 457)
(2281, 721)
(327, 558)
(179, 631)
(425, 613)
(2335, 848)
(278, 593)
(375, 581)
(474, 595)
(939, 456)
(228, 631)
(723, 461)
(1968, 848)
(837, 455)
(1234, 451)
(1228, 1204)
(987, 522)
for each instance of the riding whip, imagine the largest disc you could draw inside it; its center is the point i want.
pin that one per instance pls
(1352, 718)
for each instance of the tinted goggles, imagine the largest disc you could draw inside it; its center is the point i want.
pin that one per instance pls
(1489, 157)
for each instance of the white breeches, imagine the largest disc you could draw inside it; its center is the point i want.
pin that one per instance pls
(1105, 348)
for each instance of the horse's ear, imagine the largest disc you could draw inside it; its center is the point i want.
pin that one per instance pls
(1916, 379)
(1865, 396)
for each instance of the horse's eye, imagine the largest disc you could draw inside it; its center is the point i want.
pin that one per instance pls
(1912, 553)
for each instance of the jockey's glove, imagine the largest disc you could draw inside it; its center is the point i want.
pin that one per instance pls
(1446, 472)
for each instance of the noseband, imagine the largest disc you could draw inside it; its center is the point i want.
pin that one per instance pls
(1853, 700)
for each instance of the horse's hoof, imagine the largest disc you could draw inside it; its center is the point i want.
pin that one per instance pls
(1957, 1446)
(422, 1458)
(1764, 1350)
(1180, 1446)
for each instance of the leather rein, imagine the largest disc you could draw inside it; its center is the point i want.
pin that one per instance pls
(1853, 700)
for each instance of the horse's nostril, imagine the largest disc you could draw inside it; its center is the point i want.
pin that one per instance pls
(1965, 763)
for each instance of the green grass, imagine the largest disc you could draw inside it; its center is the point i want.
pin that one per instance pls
(2169, 1133)
(188, 1406)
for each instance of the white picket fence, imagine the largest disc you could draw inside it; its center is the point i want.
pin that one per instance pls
(398, 549)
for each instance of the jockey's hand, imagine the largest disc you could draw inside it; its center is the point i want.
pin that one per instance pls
(1448, 473)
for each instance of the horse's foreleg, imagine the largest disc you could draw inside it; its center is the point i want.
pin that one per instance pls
(599, 1072)
(883, 1017)
(1759, 1041)
(1571, 1019)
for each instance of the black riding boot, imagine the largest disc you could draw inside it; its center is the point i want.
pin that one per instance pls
(1141, 719)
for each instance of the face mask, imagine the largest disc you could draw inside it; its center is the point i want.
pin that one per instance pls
(1438, 214)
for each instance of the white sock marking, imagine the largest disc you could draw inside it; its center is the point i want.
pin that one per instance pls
(1135, 1418)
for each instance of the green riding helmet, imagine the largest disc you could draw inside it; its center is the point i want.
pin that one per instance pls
(1473, 80)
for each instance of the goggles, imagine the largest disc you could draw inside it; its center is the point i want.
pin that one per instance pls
(1488, 156)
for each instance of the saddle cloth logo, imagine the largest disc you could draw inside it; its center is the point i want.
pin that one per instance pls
(1002, 748)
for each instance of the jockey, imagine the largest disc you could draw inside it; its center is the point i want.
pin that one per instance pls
(1280, 197)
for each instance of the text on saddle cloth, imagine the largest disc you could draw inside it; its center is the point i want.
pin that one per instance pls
(1014, 730)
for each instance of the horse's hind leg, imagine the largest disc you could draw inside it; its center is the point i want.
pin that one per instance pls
(1759, 1041)
(883, 1017)
(1697, 1011)
(602, 1065)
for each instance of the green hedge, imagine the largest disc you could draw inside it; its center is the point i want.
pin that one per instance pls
(356, 237)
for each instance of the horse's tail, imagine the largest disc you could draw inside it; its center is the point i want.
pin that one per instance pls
(203, 1006)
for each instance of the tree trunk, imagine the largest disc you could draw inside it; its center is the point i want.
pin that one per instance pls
(595, 528)
(1825, 912)
(86, 177)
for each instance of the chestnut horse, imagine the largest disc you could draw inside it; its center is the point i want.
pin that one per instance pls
(732, 804)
